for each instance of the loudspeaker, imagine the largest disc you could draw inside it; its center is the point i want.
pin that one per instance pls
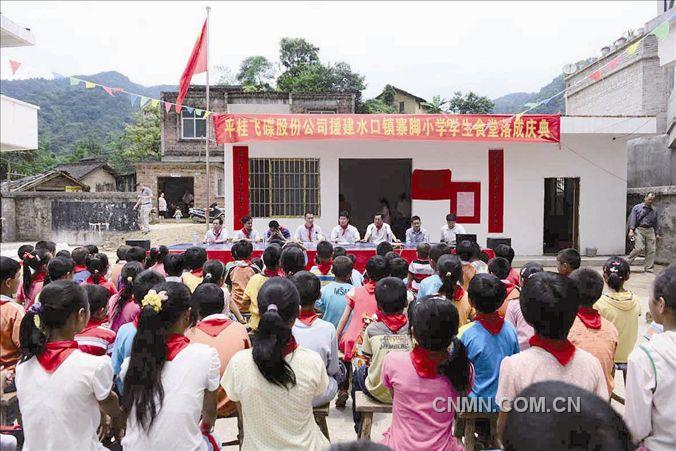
(144, 244)
(460, 237)
(492, 243)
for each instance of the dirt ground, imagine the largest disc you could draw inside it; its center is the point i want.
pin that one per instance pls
(167, 233)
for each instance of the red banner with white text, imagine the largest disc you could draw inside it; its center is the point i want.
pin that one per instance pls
(236, 128)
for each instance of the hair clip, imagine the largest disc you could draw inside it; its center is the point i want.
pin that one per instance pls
(272, 307)
(154, 300)
(130, 279)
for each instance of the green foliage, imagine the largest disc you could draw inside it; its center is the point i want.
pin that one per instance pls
(256, 73)
(388, 94)
(436, 105)
(377, 106)
(515, 102)
(225, 76)
(470, 103)
(141, 140)
(297, 52)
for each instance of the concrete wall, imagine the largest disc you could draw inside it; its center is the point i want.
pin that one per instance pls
(650, 162)
(411, 105)
(101, 178)
(666, 206)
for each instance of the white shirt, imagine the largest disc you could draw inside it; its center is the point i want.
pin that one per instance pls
(176, 279)
(373, 235)
(302, 234)
(349, 235)
(239, 235)
(211, 236)
(145, 197)
(448, 235)
(274, 417)
(176, 426)
(162, 204)
(60, 410)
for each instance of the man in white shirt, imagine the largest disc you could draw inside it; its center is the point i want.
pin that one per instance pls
(144, 204)
(379, 231)
(451, 229)
(217, 234)
(416, 234)
(308, 232)
(344, 232)
(247, 232)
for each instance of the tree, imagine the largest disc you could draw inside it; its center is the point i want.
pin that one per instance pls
(140, 140)
(317, 77)
(225, 76)
(436, 106)
(388, 94)
(377, 106)
(256, 73)
(470, 103)
(297, 52)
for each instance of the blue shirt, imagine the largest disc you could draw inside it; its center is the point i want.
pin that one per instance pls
(122, 349)
(486, 352)
(357, 279)
(648, 216)
(81, 276)
(429, 286)
(333, 301)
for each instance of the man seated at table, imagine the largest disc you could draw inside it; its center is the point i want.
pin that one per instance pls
(379, 231)
(217, 234)
(308, 232)
(277, 233)
(451, 229)
(344, 232)
(416, 234)
(247, 231)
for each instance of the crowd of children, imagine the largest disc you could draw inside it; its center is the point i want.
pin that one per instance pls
(148, 352)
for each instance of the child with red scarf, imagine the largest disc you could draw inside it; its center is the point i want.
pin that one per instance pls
(193, 260)
(324, 260)
(450, 272)
(316, 334)
(549, 303)
(215, 329)
(239, 274)
(590, 331)
(97, 265)
(271, 256)
(388, 333)
(11, 314)
(436, 369)
(96, 338)
(34, 266)
(79, 256)
(501, 268)
(52, 364)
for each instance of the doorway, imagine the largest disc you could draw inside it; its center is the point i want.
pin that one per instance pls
(363, 183)
(562, 208)
(174, 188)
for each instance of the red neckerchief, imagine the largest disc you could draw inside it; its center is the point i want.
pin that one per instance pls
(492, 322)
(307, 317)
(79, 268)
(197, 272)
(394, 321)
(508, 285)
(92, 324)
(309, 231)
(214, 326)
(246, 232)
(563, 350)
(590, 317)
(175, 344)
(39, 276)
(459, 293)
(5, 301)
(426, 362)
(344, 228)
(378, 228)
(55, 353)
(291, 346)
(216, 237)
(271, 273)
(324, 267)
(102, 280)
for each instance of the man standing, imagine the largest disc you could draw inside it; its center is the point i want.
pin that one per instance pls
(416, 234)
(344, 232)
(247, 232)
(144, 204)
(451, 229)
(217, 234)
(379, 231)
(644, 230)
(308, 232)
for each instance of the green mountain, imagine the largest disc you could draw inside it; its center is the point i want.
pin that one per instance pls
(69, 114)
(515, 102)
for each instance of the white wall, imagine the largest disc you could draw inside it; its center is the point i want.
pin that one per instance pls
(18, 124)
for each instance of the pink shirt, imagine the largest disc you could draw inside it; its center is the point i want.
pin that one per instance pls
(28, 299)
(128, 313)
(415, 424)
(362, 300)
(158, 268)
(524, 331)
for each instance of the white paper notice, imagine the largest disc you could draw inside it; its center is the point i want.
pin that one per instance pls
(465, 205)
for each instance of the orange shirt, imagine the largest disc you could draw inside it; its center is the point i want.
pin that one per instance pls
(11, 315)
(601, 343)
(239, 276)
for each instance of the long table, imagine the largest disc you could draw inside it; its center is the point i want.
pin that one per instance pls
(363, 252)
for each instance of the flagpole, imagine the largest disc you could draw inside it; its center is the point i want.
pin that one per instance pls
(206, 146)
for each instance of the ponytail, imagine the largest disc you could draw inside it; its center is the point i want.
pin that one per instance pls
(97, 265)
(616, 270)
(456, 368)
(213, 272)
(127, 275)
(156, 255)
(450, 273)
(33, 262)
(32, 339)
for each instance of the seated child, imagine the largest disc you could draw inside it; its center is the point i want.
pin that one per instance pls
(427, 373)
(549, 303)
(155, 259)
(122, 307)
(488, 339)
(649, 410)
(332, 302)
(178, 215)
(215, 329)
(55, 376)
(524, 331)
(193, 260)
(505, 251)
(79, 256)
(271, 256)
(472, 264)
(213, 271)
(91, 248)
(399, 269)
(450, 267)
(11, 314)
(240, 273)
(590, 331)
(420, 268)
(316, 334)
(34, 266)
(119, 264)
(292, 259)
(173, 266)
(136, 254)
(97, 265)
(431, 284)
(324, 260)
(59, 268)
(501, 268)
(96, 338)
(567, 261)
(619, 306)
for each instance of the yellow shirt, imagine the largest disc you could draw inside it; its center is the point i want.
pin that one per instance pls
(622, 309)
(251, 296)
(191, 280)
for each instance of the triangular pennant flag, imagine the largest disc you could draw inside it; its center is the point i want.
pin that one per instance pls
(207, 114)
(90, 85)
(57, 76)
(144, 100)
(14, 65)
(632, 48)
(596, 75)
(546, 101)
(118, 90)
(531, 105)
(614, 62)
(662, 30)
(108, 90)
(74, 81)
(189, 110)
(199, 112)
(154, 103)
(167, 106)
(133, 98)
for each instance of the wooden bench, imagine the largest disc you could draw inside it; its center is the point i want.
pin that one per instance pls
(465, 428)
(367, 407)
(9, 408)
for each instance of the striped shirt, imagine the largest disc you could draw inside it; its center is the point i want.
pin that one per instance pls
(96, 339)
(419, 270)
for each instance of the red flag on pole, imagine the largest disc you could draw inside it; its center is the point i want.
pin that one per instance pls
(196, 65)
(14, 65)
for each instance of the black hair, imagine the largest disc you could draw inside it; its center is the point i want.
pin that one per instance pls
(258, 262)
(423, 250)
(8, 268)
(213, 271)
(173, 265)
(92, 249)
(121, 252)
(339, 251)
(144, 282)
(378, 213)
(194, 258)
(208, 299)
(569, 256)
(486, 293)
(451, 217)
(97, 295)
(504, 251)
(143, 389)
(58, 301)
(24, 248)
(324, 250)
(377, 268)
(353, 258)
(219, 219)
(450, 272)
(465, 250)
(484, 257)
(529, 269)
(549, 303)
(271, 256)
(594, 425)
(156, 255)
(617, 271)
(434, 321)
(344, 214)
(34, 262)
(359, 445)
(244, 249)
(415, 218)
(398, 268)
(309, 287)
(665, 287)
(58, 268)
(233, 250)
(245, 219)
(64, 253)
(292, 260)
(49, 246)
(136, 254)
(274, 330)
(391, 295)
(342, 267)
(499, 267)
(79, 255)
(589, 285)
(438, 250)
(273, 224)
(97, 265)
(383, 248)
(127, 277)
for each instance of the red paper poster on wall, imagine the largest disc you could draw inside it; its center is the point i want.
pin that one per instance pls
(431, 184)
(466, 201)
(240, 185)
(496, 190)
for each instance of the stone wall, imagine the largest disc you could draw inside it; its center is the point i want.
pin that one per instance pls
(666, 206)
(650, 162)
